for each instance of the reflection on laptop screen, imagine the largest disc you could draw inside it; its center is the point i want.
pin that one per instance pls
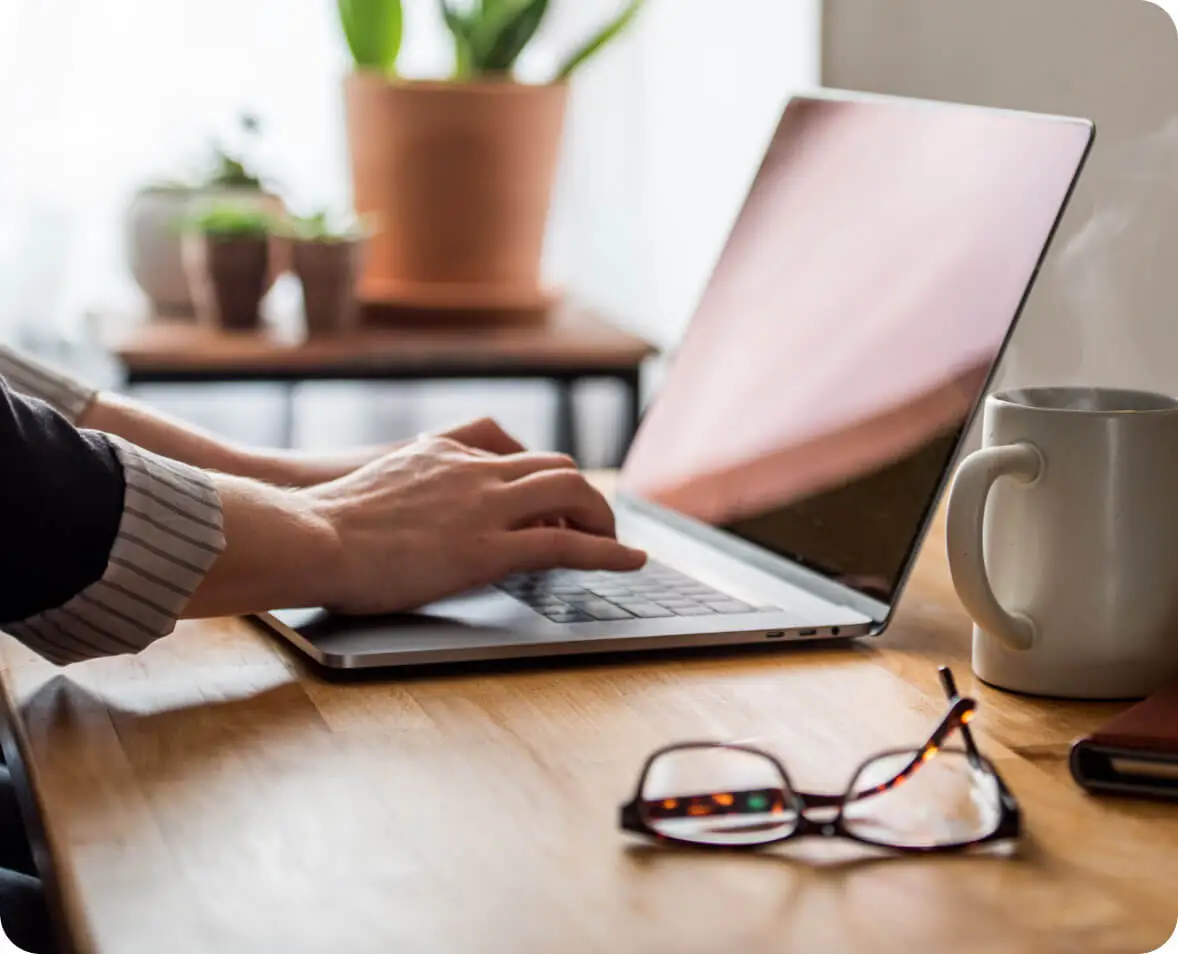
(850, 326)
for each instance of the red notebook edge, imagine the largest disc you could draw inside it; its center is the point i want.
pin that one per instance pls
(1135, 754)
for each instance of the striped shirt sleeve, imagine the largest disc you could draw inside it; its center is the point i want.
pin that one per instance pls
(64, 394)
(170, 534)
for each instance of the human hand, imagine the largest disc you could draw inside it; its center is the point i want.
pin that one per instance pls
(437, 517)
(307, 469)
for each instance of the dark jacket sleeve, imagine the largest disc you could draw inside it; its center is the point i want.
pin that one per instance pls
(61, 500)
(102, 543)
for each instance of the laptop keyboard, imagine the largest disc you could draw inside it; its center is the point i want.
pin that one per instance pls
(654, 592)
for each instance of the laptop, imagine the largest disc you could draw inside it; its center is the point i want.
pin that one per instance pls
(787, 469)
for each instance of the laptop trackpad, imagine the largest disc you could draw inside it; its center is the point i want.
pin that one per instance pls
(485, 616)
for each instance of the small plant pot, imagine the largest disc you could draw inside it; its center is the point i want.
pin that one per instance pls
(154, 245)
(329, 272)
(228, 277)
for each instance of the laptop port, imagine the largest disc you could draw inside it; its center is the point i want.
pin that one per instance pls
(780, 634)
(834, 631)
(808, 632)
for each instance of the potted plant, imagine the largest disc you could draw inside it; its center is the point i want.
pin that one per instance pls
(326, 254)
(157, 211)
(226, 252)
(459, 174)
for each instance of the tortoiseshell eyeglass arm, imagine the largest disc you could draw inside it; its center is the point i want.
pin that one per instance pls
(1011, 826)
(950, 686)
(954, 719)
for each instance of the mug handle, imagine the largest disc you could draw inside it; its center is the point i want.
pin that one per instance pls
(965, 523)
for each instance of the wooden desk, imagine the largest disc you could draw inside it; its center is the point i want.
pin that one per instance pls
(212, 796)
(566, 347)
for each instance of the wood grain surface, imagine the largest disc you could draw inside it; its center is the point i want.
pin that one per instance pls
(213, 795)
(568, 338)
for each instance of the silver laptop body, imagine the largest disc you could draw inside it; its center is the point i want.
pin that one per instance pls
(785, 476)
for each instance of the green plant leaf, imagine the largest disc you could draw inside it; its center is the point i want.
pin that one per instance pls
(461, 27)
(519, 25)
(232, 173)
(322, 226)
(373, 29)
(476, 31)
(227, 219)
(606, 35)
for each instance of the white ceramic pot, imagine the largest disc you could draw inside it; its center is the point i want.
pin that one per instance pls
(153, 240)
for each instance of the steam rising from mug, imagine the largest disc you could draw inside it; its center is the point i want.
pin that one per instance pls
(1114, 278)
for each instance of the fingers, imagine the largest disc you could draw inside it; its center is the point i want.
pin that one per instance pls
(484, 439)
(518, 466)
(486, 435)
(548, 548)
(556, 494)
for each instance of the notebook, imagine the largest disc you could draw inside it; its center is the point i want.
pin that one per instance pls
(1136, 753)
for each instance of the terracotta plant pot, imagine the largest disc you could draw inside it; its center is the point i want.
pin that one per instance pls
(457, 180)
(153, 240)
(329, 272)
(228, 277)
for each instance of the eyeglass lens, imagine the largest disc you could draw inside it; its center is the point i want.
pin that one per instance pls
(948, 800)
(714, 795)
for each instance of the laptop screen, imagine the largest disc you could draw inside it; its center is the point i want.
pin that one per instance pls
(850, 327)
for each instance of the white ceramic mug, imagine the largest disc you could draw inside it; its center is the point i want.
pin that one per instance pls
(1063, 542)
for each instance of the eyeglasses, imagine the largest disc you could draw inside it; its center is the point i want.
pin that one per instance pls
(931, 799)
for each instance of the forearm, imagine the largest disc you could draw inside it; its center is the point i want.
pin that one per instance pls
(108, 541)
(162, 435)
(111, 414)
(183, 442)
(280, 553)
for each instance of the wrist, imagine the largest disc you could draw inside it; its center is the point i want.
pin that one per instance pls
(270, 467)
(328, 567)
(282, 552)
(300, 470)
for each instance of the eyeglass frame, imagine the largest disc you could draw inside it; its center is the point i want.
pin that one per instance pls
(957, 718)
